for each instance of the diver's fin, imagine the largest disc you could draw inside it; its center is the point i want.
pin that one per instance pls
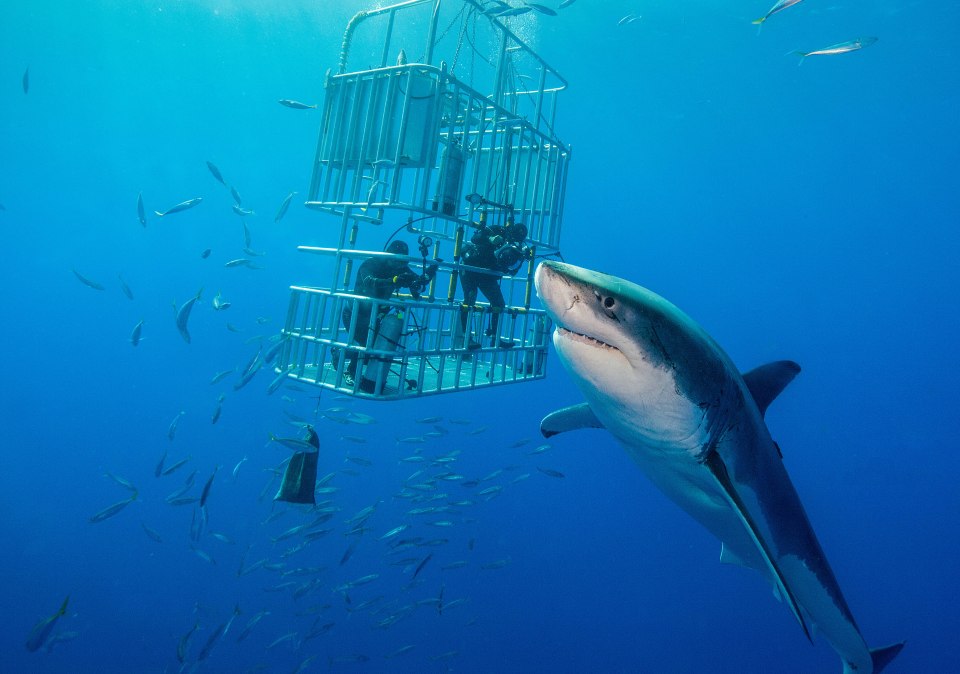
(768, 381)
(569, 419)
(299, 479)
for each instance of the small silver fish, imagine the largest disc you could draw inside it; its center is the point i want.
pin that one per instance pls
(172, 429)
(122, 481)
(125, 288)
(283, 207)
(277, 381)
(239, 210)
(247, 376)
(219, 304)
(42, 631)
(296, 105)
(112, 510)
(220, 376)
(842, 48)
(184, 644)
(159, 468)
(87, 282)
(216, 413)
(135, 335)
(513, 11)
(543, 9)
(174, 467)
(216, 172)
(182, 206)
(778, 7)
(141, 213)
(236, 469)
(218, 633)
(206, 488)
(183, 315)
(151, 533)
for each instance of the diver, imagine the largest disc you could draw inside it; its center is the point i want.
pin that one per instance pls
(379, 278)
(501, 250)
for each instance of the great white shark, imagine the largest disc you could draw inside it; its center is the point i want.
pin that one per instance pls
(670, 395)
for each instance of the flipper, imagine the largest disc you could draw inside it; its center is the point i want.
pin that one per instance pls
(768, 381)
(569, 419)
(299, 479)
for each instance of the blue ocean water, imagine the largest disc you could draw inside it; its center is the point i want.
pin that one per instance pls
(796, 212)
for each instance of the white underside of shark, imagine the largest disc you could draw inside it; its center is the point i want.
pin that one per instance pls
(667, 392)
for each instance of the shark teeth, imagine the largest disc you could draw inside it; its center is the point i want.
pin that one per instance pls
(586, 339)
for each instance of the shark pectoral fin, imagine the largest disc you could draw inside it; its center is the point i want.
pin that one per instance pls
(768, 381)
(569, 419)
(714, 463)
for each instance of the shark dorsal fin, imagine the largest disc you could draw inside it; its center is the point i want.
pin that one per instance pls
(767, 381)
(569, 419)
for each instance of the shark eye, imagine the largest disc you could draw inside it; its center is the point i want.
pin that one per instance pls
(608, 302)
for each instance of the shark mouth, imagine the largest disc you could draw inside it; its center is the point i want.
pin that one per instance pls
(582, 338)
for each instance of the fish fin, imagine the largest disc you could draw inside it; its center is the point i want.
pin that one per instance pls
(714, 463)
(881, 657)
(63, 607)
(569, 419)
(768, 381)
(728, 556)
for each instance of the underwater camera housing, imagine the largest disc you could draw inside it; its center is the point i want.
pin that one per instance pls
(508, 255)
(510, 249)
(417, 287)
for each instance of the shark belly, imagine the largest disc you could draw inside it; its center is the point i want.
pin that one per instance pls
(688, 484)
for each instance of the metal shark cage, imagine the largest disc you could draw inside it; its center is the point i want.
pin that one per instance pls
(416, 146)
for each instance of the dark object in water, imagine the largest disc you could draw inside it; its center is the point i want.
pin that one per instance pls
(300, 476)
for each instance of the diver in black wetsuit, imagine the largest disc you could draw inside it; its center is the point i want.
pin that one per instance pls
(501, 250)
(378, 278)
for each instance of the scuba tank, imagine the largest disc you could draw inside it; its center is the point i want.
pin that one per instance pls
(533, 359)
(388, 339)
(450, 178)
